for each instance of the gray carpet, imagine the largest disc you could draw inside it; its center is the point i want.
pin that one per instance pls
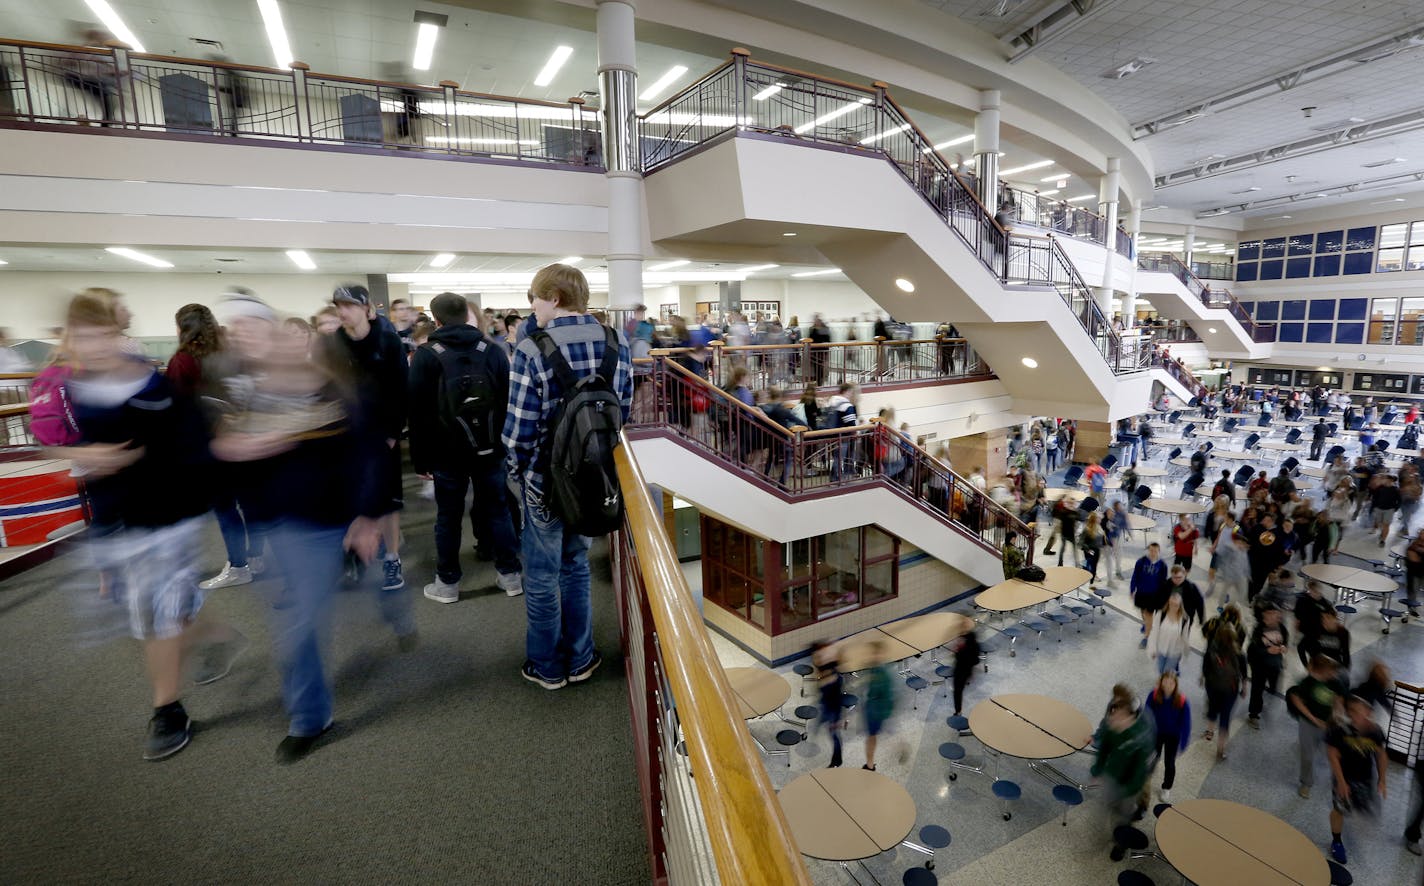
(444, 765)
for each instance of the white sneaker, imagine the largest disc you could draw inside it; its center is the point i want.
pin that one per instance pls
(427, 490)
(231, 576)
(1167, 795)
(256, 566)
(440, 592)
(512, 584)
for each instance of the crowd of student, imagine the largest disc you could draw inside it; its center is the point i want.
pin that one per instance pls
(290, 432)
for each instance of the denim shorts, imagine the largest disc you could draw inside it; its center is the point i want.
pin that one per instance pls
(153, 574)
(1362, 799)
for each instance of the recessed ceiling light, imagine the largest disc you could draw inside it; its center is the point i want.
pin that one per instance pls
(669, 265)
(301, 259)
(904, 285)
(142, 258)
(442, 259)
(1323, 368)
(425, 35)
(551, 67)
(1030, 362)
(276, 32)
(116, 25)
(1081, 197)
(1026, 167)
(768, 92)
(1211, 330)
(754, 268)
(667, 79)
(571, 260)
(789, 234)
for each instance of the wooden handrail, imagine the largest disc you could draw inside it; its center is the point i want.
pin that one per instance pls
(746, 827)
(755, 414)
(14, 409)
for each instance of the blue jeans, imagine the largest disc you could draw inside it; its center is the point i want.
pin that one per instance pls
(239, 541)
(489, 517)
(1167, 663)
(556, 593)
(309, 558)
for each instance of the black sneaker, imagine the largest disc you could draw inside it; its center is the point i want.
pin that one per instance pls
(587, 670)
(296, 747)
(169, 732)
(534, 677)
(393, 581)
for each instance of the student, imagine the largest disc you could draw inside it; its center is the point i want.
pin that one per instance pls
(1355, 747)
(1126, 742)
(1224, 487)
(1013, 555)
(1310, 608)
(1266, 656)
(1313, 701)
(831, 686)
(559, 641)
(1168, 643)
(1184, 541)
(459, 390)
(1148, 576)
(1384, 501)
(1223, 673)
(1173, 715)
(879, 700)
(1115, 528)
(1333, 640)
(1091, 540)
(967, 655)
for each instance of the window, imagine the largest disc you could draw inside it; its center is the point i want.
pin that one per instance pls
(1300, 244)
(1327, 266)
(1322, 309)
(1415, 261)
(1392, 242)
(1249, 251)
(1271, 270)
(1383, 314)
(1411, 321)
(1329, 241)
(1247, 271)
(1268, 311)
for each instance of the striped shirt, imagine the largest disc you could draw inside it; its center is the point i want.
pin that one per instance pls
(534, 392)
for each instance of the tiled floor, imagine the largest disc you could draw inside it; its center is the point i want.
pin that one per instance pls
(1081, 669)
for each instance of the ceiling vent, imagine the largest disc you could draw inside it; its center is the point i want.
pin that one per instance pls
(1128, 69)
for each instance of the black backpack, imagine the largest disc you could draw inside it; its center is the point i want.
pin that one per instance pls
(467, 395)
(583, 489)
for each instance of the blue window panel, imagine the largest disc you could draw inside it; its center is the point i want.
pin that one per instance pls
(1356, 263)
(1290, 331)
(1268, 311)
(1354, 308)
(1349, 333)
(1293, 309)
(1271, 270)
(1330, 241)
(1275, 248)
(1246, 271)
(1248, 251)
(1360, 238)
(1297, 267)
(1327, 265)
(1322, 309)
(1319, 333)
(1300, 244)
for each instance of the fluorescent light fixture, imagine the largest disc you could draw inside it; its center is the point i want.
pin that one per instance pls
(789, 234)
(551, 67)
(116, 25)
(1392, 200)
(904, 285)
(872, 139)
(301, 259)
(954, 142)
(1081, 197)
(1030, 362)
(768, 92)
(442, 259)
(276, 32)
(571, 260)
(425, 36)
(1026, 168)
(821, 273)
(1049, 193)
(1323, 368)
(669, 265)
(662, 83)
(134, 255)
(1056, 177)
(833, 115)
(754, 268)
(1211, 330)
(3, 262)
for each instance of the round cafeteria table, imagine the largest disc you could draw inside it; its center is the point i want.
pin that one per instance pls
(1108, 483)
(1313, 473)
(846, 814)
(1174, 506)
(1352, 581)
(1140, 523)
(1030, 727)
(1218, 842)
(1149, 473)
(758, 691)
(1058, 492)
(1233, 454)
(1213, 434)
(1170, 441)
(1184, 461)
(1281, 446)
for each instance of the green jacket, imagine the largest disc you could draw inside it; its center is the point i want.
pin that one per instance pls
(1127, 757)
(1013, 560)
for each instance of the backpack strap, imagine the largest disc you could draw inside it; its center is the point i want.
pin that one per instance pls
(607, 369)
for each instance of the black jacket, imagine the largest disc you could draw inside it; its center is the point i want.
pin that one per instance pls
(376, 366)
(433, 445)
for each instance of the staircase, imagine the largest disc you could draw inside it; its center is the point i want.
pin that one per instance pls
(1222, 323)
(731, 460)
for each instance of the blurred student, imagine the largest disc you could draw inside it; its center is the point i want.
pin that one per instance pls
(1126, 742)
(879, 700)
(831, 686)
(1172, 714)
(1359, 763)
(1313, 702)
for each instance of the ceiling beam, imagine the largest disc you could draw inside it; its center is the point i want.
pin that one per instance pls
(1345, 136)
(1053, 22)
(1373, 184)
(1311, 72)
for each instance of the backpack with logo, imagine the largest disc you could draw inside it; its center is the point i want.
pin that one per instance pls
(583, 488)
(52, 421)
(467, 395)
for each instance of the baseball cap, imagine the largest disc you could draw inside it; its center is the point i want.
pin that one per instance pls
(240, 302)
(351, 294)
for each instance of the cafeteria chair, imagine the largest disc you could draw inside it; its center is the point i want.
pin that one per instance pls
(1339, 874)
(804, 671)
(1175, 453)
(944, 672)
(1293, 437)
(1355, 423)
(1007, 792)
(1175, 416)
(1332, 452)
(848, 702)
(919, 877)
(1243, 475)
(1188, 430)
(1190, 487)
(1108, 463)
(1292, 466)
(1069, 796)
(916, 682)
(788, 739)
(932, 837)
(1250, 442)
(1134, 878)
(1264, 421)
(1140, 495)
(807, 714)
(1388, 418)
(1229, 426)
(1343, 610)
(1072, 476)
(1159, 809)
(959, 723)
(953, 753)
(1129, 840)
(1209, 446)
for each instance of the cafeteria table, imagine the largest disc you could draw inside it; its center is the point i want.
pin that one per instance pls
(1174, 506)
(1141, 523)
(1015, 594)
(847, 815)
(1213, 434)
(1222, 843)
(1350, 582)
(1147, 472)
(1108, 483)
(1031, 727)
(901, 639)
(1233, 454)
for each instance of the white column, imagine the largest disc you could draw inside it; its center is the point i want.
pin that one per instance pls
(1129, 297)
(1189, 245)
(618, 84)
(986, 149)
(1108, 187)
